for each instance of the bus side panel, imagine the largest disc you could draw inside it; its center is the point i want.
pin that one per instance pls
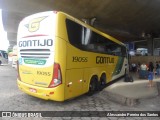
(74, 83)
(91, 63)
(61, 30)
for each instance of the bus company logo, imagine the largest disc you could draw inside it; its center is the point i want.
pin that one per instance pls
(34, 24)
(104, 60)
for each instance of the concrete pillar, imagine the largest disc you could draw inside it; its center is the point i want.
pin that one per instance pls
(150, 45)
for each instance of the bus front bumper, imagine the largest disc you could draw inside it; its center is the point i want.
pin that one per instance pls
(56, 94)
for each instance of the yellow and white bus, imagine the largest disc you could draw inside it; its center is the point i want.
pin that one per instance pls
(61, 57)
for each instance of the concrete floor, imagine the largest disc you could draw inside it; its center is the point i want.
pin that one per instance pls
(137, 89)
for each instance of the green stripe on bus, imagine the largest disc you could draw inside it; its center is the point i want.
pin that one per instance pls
(119, 65)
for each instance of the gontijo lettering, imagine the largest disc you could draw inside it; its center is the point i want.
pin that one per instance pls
(30, 43)
(102, 60)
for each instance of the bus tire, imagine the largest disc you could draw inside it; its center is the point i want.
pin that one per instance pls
(102, 81)
(0, 62)
(93, 86)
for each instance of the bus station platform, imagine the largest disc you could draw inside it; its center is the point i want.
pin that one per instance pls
(129, 93)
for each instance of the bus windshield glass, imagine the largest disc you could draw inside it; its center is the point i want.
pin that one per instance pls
(4, 54)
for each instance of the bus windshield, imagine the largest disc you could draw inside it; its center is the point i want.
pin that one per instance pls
(3, 54)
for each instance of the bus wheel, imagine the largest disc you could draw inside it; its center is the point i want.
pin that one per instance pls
(102, 81)
(0, 62)
(93, 86)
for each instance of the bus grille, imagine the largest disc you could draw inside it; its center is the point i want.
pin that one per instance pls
(35, 53)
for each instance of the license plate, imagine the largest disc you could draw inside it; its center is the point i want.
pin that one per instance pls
(32, 90)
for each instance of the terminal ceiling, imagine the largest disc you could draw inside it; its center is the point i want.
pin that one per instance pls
(126, 20)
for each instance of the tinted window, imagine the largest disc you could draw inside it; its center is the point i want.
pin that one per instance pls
(85, 39)
(74, 33)
(4, 54)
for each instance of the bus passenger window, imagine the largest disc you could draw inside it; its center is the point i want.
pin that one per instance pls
(91, 46)
(74, 31)
(100, 49)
